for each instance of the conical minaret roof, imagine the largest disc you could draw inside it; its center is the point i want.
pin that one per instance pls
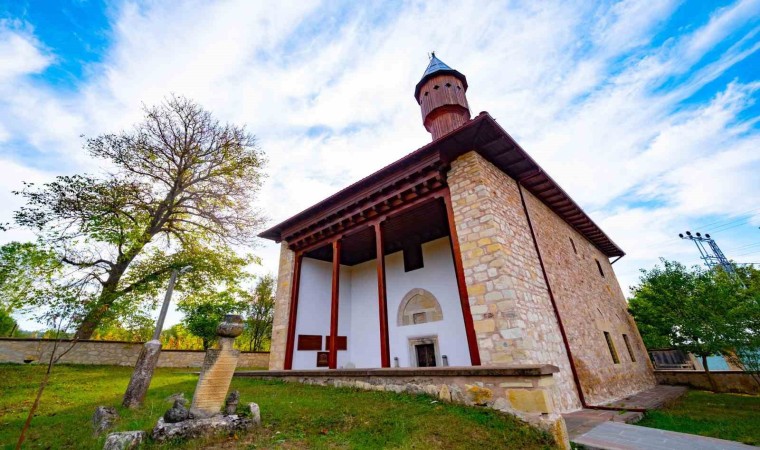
(437, 67)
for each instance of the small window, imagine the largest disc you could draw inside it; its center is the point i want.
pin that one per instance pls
(628, 346)
(426, 94)
(611, 346)
(599, 266)
(572, 242)
(448, 84)
(436, 87)
(413, 257)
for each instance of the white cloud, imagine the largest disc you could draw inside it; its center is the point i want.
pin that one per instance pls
(20, 52)
(329, 95)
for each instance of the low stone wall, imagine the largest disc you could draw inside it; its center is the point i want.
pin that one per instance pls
(116, 353)
(525, 391)
(727, 381)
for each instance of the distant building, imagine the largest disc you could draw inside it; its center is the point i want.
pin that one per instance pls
(484, 260)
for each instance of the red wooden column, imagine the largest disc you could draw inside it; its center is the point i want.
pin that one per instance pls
(295, 284)
(472, 341)
(385, 352)
(332, 360)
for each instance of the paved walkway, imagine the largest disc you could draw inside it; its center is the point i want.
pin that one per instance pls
(582, 421)
(620, 436)
(653, 398)
(600, 429)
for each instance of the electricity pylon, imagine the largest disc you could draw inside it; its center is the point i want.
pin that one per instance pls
(710, 252)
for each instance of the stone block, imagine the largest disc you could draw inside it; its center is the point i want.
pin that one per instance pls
(530, 400)
(444, 393)
(511, 333)
(516, 384)
(195, 428)
(485, 326)
(479, 395)
(255, 413)
(125, 440)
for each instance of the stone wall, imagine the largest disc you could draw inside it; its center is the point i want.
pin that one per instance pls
(511, 310)
(590, 304)
(523, 391)
(727, 381)
(115, 353)
(281, 308)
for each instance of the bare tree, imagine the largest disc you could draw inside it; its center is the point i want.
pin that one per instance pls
(180, 194)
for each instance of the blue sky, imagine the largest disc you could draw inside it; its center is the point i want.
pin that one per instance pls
(645, 112)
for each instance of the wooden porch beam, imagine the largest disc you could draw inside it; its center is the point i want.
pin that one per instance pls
(385, 354)
(456, 254)
(294, 287)
(332, 360)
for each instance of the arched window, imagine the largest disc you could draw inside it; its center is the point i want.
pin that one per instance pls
(419, 306)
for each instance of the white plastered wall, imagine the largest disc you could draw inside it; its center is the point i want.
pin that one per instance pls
(358, 311)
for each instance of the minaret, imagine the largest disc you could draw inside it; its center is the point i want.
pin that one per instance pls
(441, 96)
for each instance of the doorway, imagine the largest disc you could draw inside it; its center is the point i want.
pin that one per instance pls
(424, 352)
(425, 355)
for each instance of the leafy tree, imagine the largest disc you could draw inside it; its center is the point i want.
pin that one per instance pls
(205, 311)
(704, 312)
(7, 323)
(50, 294)
(178, 337)
(179, 193)
(746, 350)
(135, 328)
(260, 314)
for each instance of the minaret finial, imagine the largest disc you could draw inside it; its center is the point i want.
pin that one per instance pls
(441, 95)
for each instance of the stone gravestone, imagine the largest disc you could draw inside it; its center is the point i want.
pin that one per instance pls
(205, 415)
(217, 371)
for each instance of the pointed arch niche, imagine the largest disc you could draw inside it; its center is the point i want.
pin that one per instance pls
(419, 306)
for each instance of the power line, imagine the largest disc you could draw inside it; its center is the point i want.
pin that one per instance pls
(704, 226)
(742, 247)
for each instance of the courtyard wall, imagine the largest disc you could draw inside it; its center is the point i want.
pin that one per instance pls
(116, 353)
(726, 380)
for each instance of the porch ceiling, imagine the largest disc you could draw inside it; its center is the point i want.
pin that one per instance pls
(421, 224)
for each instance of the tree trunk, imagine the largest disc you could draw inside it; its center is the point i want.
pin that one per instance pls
(36, 403)
(107, 296)
(93, 318)
(710, 378)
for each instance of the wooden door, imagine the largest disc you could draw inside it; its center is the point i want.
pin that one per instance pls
(425, 355)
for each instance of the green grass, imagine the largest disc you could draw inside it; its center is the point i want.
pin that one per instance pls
(294, 415)
(725, 416)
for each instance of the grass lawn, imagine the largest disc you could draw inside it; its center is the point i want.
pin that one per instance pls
(725, 416)
(293, 415)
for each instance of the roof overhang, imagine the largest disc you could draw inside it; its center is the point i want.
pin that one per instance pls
(491, 141)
